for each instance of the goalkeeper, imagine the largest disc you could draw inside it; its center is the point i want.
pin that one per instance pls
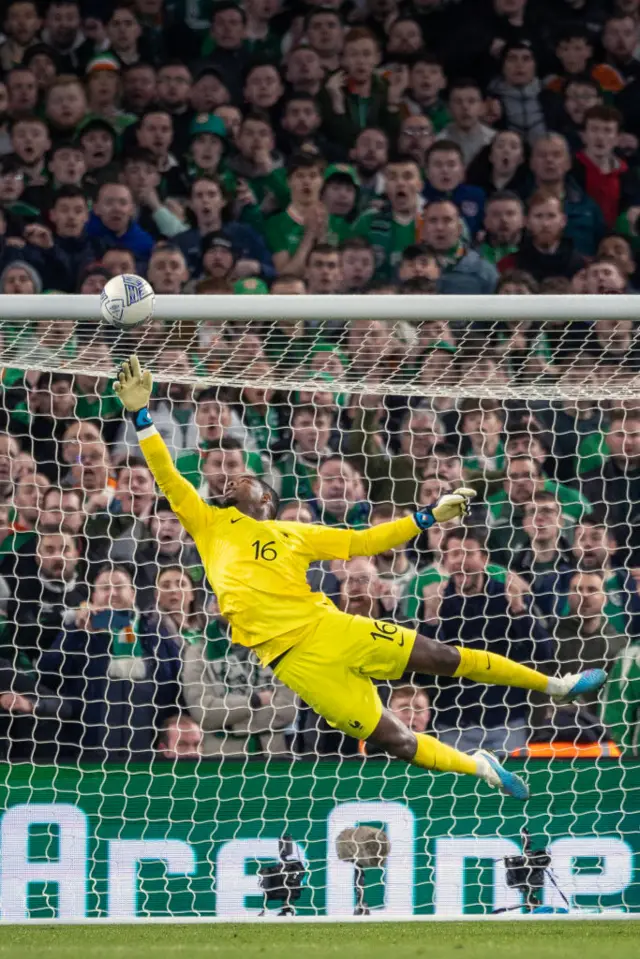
(257, 567)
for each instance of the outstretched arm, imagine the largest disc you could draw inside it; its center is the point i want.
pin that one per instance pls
(134, 390)
(325, 542)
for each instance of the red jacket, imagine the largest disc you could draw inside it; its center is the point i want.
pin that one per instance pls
(609, 190)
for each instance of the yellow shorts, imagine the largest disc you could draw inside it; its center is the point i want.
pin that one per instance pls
(331, 668)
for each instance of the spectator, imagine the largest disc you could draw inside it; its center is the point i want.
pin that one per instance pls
(323, 270)
(65, 106)
(370, 154)
(45, 587)
(22, 88)
(292, 234)
(138, 87)
(445, 181)
(466, 129)
(520, 91)
(21, 25)
(523, 479)
(504, 225)
(362, 592)
(325, 36)
(141, 175)
(545, 563)
(501, 165)
(621, 698)
(207, 205)
(355, 97)
(123, 33)
(463, 270)
(411, 705)
(180, 738)
(119, 676)
(586, 639)
(339, 494)
(395, 568)
(304, 70)
(357, 264)
(394, 478)
(613, 487)
(546, 249)
(416, 138)
(63, 34)
(550, 164)
(155, 133)
(593, 551)
(393, 228)
(485, 612)
(427, 80)
(602, 174)
(311, 431)
(240, 705)
(112, 220)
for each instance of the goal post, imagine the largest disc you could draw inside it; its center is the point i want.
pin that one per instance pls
(150, 769)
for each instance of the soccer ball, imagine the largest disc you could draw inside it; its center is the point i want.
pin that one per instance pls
(127, 301)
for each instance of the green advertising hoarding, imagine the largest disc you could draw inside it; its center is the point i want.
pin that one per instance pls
(185, 840)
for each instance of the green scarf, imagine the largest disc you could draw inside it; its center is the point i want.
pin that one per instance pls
(127, 653)
(216, 642)
(452, 257)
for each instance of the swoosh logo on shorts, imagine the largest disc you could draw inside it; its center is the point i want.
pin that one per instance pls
(236, 520)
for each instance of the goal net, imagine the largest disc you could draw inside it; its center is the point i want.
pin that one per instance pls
(152, 769)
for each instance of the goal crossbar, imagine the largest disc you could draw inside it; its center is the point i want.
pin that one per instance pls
(343, 307)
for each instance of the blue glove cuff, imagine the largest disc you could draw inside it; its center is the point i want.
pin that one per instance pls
(424, 518)
(142, 419)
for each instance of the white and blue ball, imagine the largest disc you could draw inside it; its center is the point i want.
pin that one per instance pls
(127, 301)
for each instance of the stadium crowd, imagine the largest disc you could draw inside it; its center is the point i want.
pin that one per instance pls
(369, 147)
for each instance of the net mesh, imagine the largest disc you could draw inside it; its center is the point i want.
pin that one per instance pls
(546, 359)
(150, 763)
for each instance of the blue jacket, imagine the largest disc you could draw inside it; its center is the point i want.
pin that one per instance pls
(585, 222)
(116, 718)
(471, 275)
(247, 245)
(470, 201)
(135, 239)
(485, 622)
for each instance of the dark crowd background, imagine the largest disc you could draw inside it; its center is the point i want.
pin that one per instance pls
(374, 147)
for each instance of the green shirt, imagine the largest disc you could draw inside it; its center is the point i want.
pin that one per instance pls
(493, 254)
(439, 115)
(506, 535)
(283, 233)
(388, 237)
(621, 699)
(15, 540)
(104, 407)
(339, 229)
(297, 478)
(264, 429)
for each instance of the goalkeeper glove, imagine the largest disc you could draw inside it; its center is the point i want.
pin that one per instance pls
(450, 506)
(134, 391)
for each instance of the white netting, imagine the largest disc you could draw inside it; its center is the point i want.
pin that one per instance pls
(114, 652)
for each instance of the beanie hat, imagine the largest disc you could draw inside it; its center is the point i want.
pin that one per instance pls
(33, 273)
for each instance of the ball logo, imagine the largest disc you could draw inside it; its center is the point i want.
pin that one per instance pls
(134, 289)
(115, 308)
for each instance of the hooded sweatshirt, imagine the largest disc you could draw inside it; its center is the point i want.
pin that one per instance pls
(522, 107)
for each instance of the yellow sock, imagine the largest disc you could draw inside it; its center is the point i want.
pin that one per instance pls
(432, 754)
(497, 670)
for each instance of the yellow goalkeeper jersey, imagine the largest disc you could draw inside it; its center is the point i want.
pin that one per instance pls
(257, 568)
